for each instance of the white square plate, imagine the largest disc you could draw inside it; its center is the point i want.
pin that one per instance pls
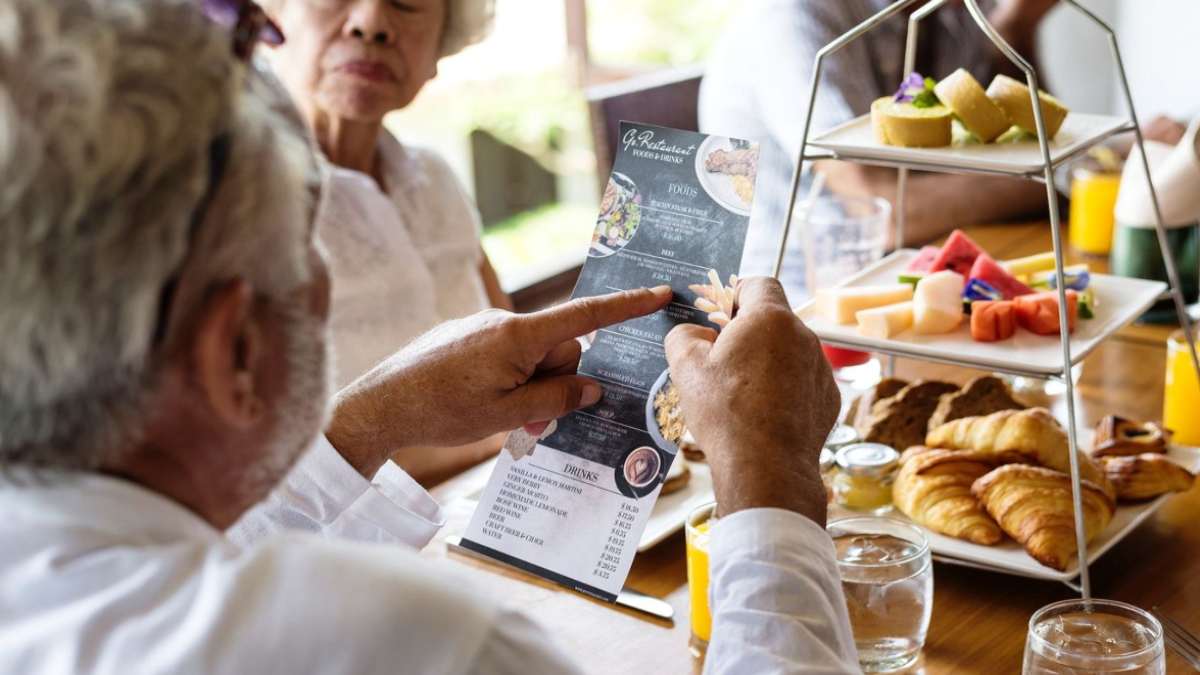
(1119, 301)
(1008, 556)
(855, 140)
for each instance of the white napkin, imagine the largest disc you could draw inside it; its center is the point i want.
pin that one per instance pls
(1176, 174)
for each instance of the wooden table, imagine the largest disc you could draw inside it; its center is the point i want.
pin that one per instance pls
(979, 618)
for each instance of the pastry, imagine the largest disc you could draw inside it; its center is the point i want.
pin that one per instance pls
(859, 414)
(1033, 505)
(677, 476)
(1145, 476)
(1119, 436)
(933, 488)
(1032, 436)
(961, 93)
(901, 421)
(981, 396)
(1014, 99)
(904, 124)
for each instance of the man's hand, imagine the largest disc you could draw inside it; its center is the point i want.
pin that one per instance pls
(760, 399)
(466, 379)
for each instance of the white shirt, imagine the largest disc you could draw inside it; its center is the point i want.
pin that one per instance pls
(757, 81)
(99, 575)
(403, 259)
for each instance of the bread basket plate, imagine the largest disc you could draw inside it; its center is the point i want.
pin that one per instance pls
(856, 140)
(1119, 301)
(1010, 558)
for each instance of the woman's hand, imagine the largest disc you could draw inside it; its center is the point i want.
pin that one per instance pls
(466, 379)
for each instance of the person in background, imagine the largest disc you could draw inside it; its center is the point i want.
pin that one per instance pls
(756, 86)
(163, 387)
(401, 232)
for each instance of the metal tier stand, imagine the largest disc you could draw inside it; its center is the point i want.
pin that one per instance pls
(1044, 175)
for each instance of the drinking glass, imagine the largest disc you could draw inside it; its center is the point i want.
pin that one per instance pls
(697, 535)
(1073, 637)
(1093, 198)
(842, 236)
(1181, 392)
(887, 577)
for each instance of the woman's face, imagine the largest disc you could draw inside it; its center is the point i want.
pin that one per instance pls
(358, 59)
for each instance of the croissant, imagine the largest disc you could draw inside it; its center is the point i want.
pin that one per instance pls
(1146, 476)
(1032, 436)
(1033, 505)
(933, 488)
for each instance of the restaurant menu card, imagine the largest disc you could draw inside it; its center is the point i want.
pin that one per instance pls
(571, 506)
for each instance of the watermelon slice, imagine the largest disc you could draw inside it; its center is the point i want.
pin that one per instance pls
(957, 255)
(988, 270)
(924, 260)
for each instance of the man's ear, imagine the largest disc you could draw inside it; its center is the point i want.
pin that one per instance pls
(227, 343)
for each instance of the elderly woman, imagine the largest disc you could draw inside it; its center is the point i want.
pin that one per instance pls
(401, 233)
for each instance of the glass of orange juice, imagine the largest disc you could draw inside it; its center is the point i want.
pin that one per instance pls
(697, 533)
(1181, 393)
(1093, 198)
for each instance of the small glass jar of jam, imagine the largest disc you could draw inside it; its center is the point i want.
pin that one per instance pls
(864, 477)
(841, 436)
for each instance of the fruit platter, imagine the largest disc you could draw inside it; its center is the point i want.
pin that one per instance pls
(958, 304)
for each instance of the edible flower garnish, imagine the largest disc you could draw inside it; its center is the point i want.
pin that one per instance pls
(917, 90)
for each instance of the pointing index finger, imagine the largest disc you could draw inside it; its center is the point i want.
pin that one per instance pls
(583, 315)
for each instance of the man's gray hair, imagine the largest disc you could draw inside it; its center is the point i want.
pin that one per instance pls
(108, 114)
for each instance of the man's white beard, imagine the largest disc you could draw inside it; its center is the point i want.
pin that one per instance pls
(304, 411)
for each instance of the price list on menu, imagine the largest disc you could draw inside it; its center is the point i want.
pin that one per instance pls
(571, 505)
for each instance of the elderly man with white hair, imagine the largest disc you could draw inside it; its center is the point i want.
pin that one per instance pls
(163, 370)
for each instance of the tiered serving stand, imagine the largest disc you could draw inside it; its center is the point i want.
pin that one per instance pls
(924, 160)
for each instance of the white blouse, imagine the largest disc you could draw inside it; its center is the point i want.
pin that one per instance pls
(403, 259)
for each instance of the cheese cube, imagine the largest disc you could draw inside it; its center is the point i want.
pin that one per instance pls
(884, 322)
(938, 303)
(840, 305)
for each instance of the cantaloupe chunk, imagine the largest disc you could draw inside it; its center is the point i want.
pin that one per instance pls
(841, 304)
(938, 303)
(885, 322)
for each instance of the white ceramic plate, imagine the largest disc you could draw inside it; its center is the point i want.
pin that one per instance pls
(719, 186)
(671, 511)
(1011, 558)
(1119, 301)
(855, 140)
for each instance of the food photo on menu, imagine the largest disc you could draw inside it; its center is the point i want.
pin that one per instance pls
(646, 336)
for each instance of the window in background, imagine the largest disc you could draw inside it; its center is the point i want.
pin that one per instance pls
(509, 115)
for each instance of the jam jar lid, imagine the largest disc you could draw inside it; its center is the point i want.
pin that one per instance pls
(841, 436)
(827, 460)
(868, 459)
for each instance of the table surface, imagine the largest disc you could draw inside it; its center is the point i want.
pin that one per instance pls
(979, 618)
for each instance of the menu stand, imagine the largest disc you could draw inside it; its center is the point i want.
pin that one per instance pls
(1044, 175)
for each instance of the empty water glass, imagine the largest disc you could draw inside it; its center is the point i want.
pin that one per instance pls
(887, 578)
(1073, 637)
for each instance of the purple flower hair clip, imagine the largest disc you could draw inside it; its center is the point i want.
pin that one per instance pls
(248, 22)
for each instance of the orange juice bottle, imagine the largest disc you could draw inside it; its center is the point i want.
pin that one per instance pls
(1181, 393)
(1093, 198)
(697, 533)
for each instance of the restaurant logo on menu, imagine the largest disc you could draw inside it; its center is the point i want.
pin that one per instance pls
(649, 148)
